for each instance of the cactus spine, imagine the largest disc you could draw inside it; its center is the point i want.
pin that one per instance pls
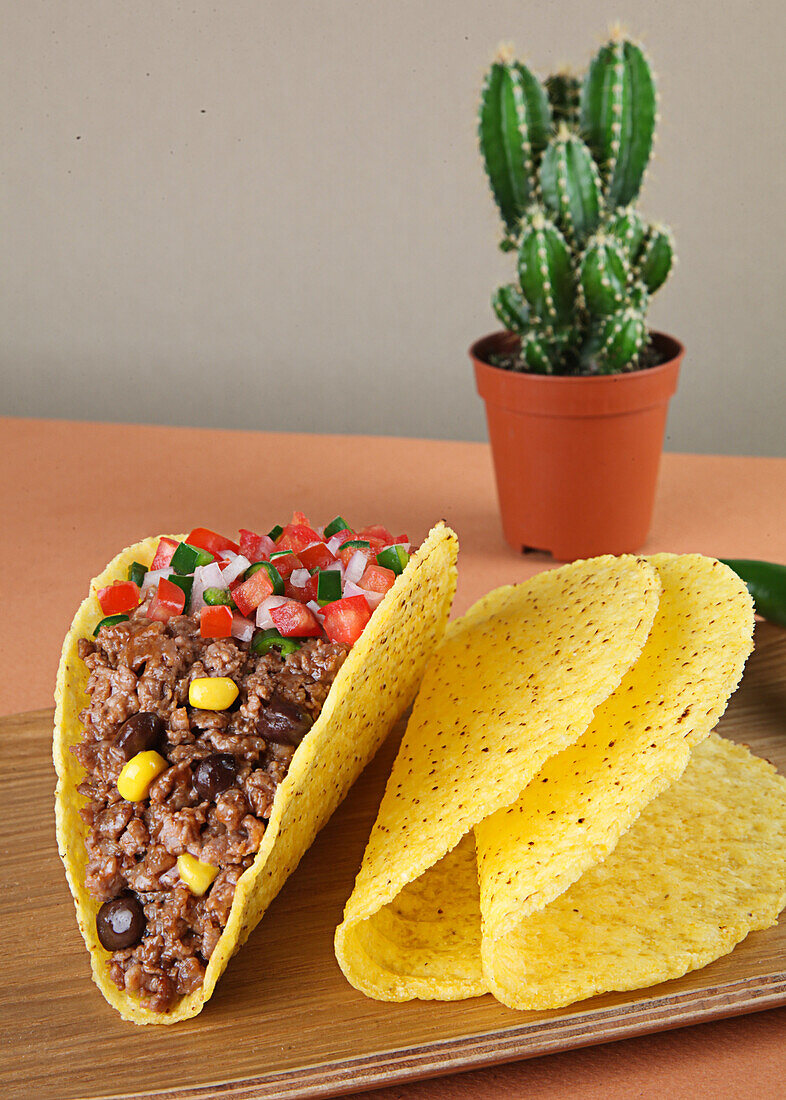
(565, 163)
(515, 119)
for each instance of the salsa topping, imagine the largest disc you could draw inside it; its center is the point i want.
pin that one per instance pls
(211, 668)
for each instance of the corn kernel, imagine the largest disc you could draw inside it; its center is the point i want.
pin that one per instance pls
(135, 779)
(212, 692)
(196, 875)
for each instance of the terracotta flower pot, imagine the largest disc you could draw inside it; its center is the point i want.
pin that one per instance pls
(576, 459)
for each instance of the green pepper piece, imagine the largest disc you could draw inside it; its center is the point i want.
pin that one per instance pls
(265, 640)
(766, 582)
(393, 557)
(355, 544)
(281, 554)
(136, 572)
(186, 583)
(328, 586)
(274, 532)
(218, 596)
(110, 620)
(186, 558)
(336, 525)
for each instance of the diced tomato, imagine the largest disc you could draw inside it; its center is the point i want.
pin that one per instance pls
(400, 538)
(295, 620)
(286, 564)
(316, 557)
(250, 594)
(164, 552)
(300, 518)
(346, 619)
(376, 532)
(169, 600)
(215, 622)
(255, 547)
(236, 583)
(120, 596)
(304, 594)
(345, 556)
(296, 536)
(377, 578)
(210, 541)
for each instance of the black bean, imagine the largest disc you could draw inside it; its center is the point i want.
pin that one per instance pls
(138, 733)
(282, 722)
(214, 774)
(120, 923)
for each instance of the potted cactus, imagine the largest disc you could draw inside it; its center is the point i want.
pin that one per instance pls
(576, 386)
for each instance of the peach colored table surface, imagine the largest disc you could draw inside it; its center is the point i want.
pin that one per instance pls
(74, 494)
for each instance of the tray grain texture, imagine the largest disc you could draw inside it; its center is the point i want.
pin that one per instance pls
(283, 1022)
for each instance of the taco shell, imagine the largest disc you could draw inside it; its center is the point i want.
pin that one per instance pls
(527, 856)
(373, 688)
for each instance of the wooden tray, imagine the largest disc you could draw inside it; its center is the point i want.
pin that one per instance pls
(283, 1022)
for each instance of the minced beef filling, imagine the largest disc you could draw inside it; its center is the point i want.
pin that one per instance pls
(147, 666)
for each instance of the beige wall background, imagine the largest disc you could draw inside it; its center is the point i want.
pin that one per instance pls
(273, 215)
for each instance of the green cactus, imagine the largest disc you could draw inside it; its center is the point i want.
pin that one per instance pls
(656, 258)
(514, 125)
(617, 117)
(629, 228)
(604, 272)
(510, 308)
(564, 92)
(545, 272)
(615, 342)
(570, 185)
(565, 167)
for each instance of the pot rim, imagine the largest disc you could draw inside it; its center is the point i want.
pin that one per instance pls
(669, 344)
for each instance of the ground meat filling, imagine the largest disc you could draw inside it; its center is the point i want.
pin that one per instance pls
(147, 666)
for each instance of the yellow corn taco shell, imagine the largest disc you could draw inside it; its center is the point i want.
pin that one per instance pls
(569, 812)
(374, 686)
(704, 865)
(515, 681)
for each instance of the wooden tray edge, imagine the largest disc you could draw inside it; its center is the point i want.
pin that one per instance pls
(460, 1055)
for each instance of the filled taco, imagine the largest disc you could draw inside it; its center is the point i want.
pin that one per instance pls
(215, 701)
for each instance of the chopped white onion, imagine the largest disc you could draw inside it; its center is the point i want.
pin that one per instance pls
(242, 629)
(357, 567)
(263, 611)
(320, 531)
(335, 541)
(373, 599)
(299, 578)
(312, 605)
(238, 565)
(227, 555)
(153, 576)
(205, 576)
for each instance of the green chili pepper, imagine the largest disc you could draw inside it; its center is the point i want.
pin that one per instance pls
(265, 640)
(766, 582)
(186, 558)
(336, 525)
(186, 583)
(393, 557)
(274, 532)
(328, 586)
(110, 620)
(216, 597)
(136, 572)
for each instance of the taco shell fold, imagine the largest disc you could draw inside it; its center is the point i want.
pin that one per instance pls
(373, 688)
